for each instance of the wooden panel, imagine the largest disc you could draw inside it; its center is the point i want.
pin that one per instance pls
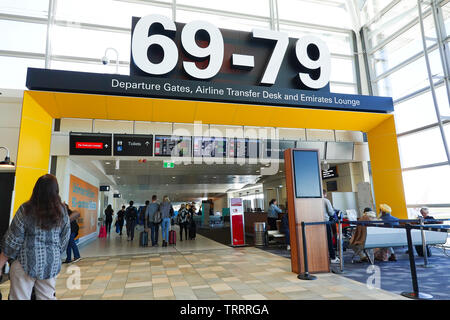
(307, 210)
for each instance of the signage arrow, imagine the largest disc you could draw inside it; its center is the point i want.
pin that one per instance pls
(147, 143)
(106, 146)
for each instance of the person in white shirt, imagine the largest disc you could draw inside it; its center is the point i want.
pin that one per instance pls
(329, 212)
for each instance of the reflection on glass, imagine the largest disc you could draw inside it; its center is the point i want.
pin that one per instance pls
(427, 186)
(421, 148)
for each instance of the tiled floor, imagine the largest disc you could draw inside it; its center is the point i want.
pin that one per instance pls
(217, 273)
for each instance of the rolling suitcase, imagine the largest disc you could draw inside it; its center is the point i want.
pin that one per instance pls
(172, 237)
(192, 230)
(143, 239)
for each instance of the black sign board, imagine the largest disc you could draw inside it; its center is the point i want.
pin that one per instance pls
(104, 188)
(330, 173)
(173, 146)
(133, 145)
(90, 144)
(274, 149)
(117, 195)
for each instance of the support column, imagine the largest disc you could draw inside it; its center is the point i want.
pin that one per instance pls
(386, 168)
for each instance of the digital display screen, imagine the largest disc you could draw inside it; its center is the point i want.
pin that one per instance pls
(173, 146)
(307, 174)
(214, 147)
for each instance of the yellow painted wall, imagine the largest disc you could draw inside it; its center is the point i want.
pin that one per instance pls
(40, 107)
(33, 150)
(386, 168)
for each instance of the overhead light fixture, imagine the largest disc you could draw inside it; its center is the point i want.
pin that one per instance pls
(107, 162)
(105, 59)
(7, 162)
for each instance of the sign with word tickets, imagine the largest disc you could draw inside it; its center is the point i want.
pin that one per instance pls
(237, 222)
(83, 197)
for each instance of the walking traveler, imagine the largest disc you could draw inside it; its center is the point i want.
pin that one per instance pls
(182, 220)
(153, 220)
(121, 219)
(74, 228)
(166, 215)
(329, 213)
(131, 217)
(37, 237)
(109, 212)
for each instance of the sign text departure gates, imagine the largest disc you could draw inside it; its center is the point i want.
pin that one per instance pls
(198, 61)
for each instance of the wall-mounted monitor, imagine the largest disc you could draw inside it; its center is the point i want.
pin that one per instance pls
(307, 174)
(332, 186)
(330, 173)
(215, 147)
(339, 151)
(320, 145)
(173, 146)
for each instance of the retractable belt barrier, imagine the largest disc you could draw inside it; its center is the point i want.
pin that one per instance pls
(381, 224)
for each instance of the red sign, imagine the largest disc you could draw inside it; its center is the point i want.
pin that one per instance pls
(89, 145)
(237, 222)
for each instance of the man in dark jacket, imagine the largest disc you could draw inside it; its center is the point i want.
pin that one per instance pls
(121, 219)
(131, 217)
(74, 228)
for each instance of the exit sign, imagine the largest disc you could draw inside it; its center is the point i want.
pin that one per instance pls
(168, 164)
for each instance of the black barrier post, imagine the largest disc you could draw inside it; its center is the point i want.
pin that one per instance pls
(415, 294)
(305, 275)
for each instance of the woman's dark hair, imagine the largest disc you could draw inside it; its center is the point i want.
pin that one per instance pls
(109, 208)
(272, 202)
(45, 203)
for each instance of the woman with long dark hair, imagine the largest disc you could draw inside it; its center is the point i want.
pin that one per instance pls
(109, 212)
(35, 241)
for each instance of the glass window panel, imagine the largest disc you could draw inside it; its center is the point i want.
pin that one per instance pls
(337, 42)
(401, 48)
(411, 77)
(397, 17)
(427, 186)
(338, 88)
(14, 71)
(89, 43)
(221, 21)
(89, 67)
(372, 8)
(421, 148)
(329, 13)
(342, 70)
(418, 111)
(34, 8)
(446, 15)
(107, 12)
(253, 7)
(22, 36)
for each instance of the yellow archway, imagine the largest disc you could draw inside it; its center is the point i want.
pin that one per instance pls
(40, 108)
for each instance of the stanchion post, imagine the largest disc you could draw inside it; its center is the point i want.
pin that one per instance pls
(341, 250)
(412, 264)
(305, 275)
(424, 245)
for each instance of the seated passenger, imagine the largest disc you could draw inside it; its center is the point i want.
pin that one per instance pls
(390, 221)
(427, 220)
(359, 237)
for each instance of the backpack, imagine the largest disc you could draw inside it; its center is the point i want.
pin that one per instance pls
(157, 216)
(131, 214)
(142, 215)
(74, 227)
